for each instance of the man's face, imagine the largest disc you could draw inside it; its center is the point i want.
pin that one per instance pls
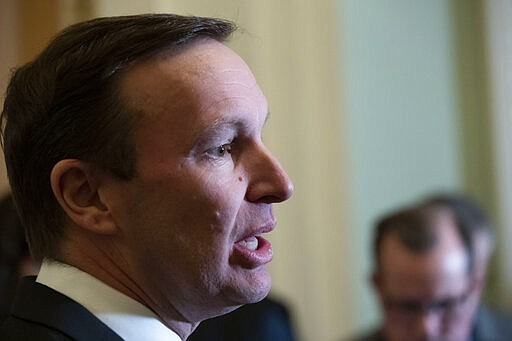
(426, 296)
(191, 222)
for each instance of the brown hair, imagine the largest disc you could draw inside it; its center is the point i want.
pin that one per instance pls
(414, 225)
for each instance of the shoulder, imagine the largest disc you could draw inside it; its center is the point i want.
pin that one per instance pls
(375, 335)
(41, 313)
(492, 325)
(14, 329)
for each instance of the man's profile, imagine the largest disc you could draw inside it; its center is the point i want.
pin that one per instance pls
(134, 153)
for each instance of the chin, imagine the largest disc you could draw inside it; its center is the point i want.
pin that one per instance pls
(235, 297)
(259, 288)
(252, 289)
(257, 297)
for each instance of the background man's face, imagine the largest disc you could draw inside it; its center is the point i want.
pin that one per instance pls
(192, 218)
(426, 296)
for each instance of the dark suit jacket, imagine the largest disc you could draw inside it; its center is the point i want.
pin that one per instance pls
(267, 320)
(13, 247)
(491, 325)
(40, 313)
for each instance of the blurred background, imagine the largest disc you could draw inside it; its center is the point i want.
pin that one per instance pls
(374, 103)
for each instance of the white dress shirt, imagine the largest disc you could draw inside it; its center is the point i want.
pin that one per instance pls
(128, 318)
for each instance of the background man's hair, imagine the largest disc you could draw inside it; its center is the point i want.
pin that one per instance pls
(414, 226)
(470, 216)
(66, 104)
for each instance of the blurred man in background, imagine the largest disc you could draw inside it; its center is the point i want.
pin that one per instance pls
(430, 267)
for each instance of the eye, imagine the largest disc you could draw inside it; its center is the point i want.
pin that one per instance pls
(220, 151)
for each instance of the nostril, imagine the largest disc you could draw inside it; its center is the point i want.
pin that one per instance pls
(282, 190)
(269, 199)
(273, 190)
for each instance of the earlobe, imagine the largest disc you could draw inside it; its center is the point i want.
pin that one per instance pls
(74, 186)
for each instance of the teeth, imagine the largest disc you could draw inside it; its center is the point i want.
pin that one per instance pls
(251, 243)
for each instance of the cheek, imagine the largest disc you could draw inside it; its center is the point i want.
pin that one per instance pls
(216, 194)
(204, 209)
(190, 209)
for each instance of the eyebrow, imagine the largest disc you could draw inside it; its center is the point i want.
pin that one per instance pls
(217, 129)
(223, 122)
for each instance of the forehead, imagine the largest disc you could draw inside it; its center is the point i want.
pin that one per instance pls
(441, 271)
(205, 77)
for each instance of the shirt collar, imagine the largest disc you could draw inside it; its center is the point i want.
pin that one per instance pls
(127, 317)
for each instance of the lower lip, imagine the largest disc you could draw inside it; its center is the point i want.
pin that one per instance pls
(252, 259)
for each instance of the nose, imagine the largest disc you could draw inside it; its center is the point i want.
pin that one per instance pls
(429, 326)
(268, 181)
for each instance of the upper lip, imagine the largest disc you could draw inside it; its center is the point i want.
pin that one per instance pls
(268, 227)
(263, 228)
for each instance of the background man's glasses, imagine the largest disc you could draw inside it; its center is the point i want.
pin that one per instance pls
(412, 309)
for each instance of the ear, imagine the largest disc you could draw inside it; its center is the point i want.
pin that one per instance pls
(73, 184)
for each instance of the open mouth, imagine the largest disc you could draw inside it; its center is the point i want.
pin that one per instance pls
(250, 243)
(252, 252)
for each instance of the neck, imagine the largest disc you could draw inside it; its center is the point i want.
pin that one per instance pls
(99, 257)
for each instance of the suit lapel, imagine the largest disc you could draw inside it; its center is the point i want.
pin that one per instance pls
(40, 304)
